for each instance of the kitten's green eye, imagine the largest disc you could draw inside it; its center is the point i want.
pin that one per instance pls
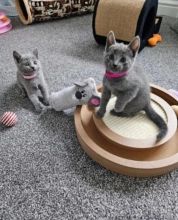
(26, 64)
(111, 56)
(35, 62)
(122, 60)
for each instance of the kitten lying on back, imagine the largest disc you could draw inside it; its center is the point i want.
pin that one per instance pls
(30, 78)
(127, 82)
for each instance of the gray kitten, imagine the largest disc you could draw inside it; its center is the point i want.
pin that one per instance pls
(30, 78)
(127, 82)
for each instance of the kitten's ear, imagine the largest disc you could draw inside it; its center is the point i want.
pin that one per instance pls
(110, 39)
(17, 56)
(35, 52)
(134, 45)
(91, 82)
(80, 84)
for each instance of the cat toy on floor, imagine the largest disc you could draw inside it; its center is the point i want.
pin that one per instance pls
(8, 119)
(79, 93)
(156, 37)
(154, 40)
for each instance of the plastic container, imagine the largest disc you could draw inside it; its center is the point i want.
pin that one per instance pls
(5, 23)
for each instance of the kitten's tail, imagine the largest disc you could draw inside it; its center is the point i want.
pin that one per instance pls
(158, 120)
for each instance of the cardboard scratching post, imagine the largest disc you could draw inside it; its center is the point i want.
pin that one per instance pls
(126, 18)
(30, 11)
(127, 145)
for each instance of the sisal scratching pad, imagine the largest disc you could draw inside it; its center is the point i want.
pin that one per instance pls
(138, 131)
(137, 127)
(119, 16)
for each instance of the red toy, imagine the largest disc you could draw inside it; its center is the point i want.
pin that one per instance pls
(8, 119)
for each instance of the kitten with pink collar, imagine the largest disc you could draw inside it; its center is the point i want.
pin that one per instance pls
(127, 81)
(30, 78)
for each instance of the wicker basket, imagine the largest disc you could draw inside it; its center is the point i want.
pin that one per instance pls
(31, 11)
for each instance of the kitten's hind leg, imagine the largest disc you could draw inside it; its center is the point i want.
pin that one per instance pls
(23, 92)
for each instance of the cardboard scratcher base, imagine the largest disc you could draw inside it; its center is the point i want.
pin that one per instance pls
(128, 160)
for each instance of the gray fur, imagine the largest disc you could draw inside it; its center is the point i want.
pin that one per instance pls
(34, 88)
(133, 90)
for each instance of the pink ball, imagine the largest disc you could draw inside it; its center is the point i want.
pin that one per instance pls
(8, 119)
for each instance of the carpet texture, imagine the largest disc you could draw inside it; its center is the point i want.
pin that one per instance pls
(44, 173)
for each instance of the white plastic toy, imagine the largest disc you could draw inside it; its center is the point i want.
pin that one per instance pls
(78, 94)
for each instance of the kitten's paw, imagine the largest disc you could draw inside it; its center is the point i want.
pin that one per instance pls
(46, 102)
(113, 112)
(40, 108)
(119, 114)
(100, 114)
(23, 95)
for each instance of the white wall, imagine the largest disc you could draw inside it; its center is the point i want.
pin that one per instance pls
(168, 7)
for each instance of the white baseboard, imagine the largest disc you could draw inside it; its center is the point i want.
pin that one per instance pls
(168, 7)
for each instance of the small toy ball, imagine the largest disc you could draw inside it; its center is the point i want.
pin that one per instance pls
(8, 119)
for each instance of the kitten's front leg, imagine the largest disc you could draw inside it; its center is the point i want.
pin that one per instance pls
(36, 102)
(44, 91)
(106, 95)
(123, 100)
(23, 92)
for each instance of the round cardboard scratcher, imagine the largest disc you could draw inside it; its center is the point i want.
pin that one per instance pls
(134, 161)
(137, 127)
(138, 131)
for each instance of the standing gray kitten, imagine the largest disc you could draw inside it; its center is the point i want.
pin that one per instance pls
(127, 82)
(30, 78)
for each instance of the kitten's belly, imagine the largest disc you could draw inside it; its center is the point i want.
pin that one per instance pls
(116, 92)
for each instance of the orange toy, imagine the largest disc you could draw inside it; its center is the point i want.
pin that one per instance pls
(154, 40)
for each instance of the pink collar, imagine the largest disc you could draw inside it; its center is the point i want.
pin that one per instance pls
(32, 76)
(111, 75)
